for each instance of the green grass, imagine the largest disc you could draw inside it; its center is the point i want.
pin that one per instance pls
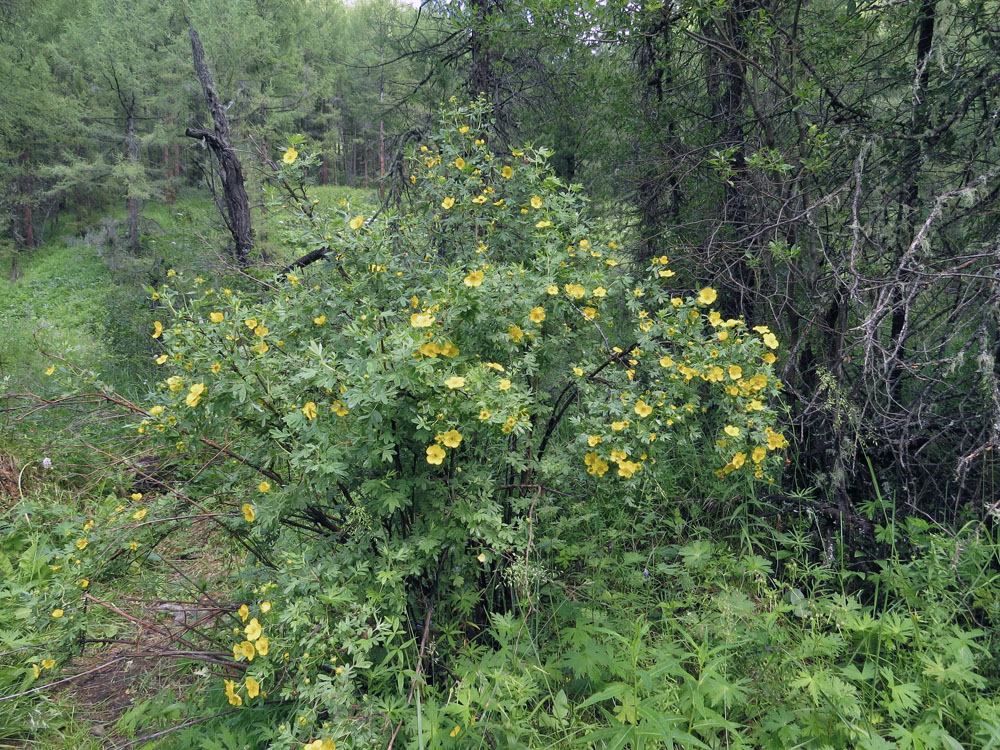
(85, 301)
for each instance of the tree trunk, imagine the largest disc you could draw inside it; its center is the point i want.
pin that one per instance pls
(230, 170)
(131, 202)
(29, 222)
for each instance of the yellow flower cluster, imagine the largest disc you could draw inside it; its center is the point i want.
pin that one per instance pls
(451, 439)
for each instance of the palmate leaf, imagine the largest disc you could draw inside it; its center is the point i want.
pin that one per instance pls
(905, 698)
(726, 693)
(589, 661)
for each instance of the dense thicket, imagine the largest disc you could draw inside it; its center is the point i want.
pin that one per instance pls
(830, 164)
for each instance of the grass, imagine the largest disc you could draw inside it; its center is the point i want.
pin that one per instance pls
(84, 300)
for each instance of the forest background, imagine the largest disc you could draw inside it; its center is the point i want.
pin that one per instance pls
(827, 170)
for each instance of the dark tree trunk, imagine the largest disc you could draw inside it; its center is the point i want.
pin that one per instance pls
(230, 170)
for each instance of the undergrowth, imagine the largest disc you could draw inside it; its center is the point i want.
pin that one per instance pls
(472, 483)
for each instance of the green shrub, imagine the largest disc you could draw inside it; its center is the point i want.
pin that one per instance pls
(383, 430)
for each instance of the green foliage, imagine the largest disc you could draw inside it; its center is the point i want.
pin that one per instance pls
(396, 418)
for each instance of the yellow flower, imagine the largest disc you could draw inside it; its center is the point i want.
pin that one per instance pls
(247, 650)
(455, 382)
(595, 464)
(537, 314)
(454, 732)
(594, 440)
(57, 613)
(536, 202)
(262, 643)
(253, 687)
(290, 155)
(248, 513)
(250, 323)
(253, 630)
(479, 199)
(676, 301)
(543, 224)
(575, 291)
(215, 367)
(474, 279)
(578, 371)
(642, 408)
(481, 557)
(265, 607)
(264, 486)
(628, 468)
(243, 612)
(84, 582)
(421, 320)
(722, 335)
(484, 414)
(507, 173)
(451, 439)
(81, 544)
(515, 333)
(140, 514)
(234, 699)
(552, 289)
(48, 663)
(770, 341)
(666, 362)
(319, 320)
(309, 410)
(448, 202)
(460, 163)
(504, 385)
(216, 317)
(775, 440)
(137, 496)
(356, 222)
(758, 454)
(755, 405)
(464, 129)
(36, 670)
(194, 394)
(322, 744)
(52, 369)
(600, 292)
(590, 313)
(707, 296)
(261, 330)
(435, 454)
(735, 372)
(731, 430)
(770, 358)
(738, 460)
(449, 350)
(162, 359)
(430, 349)
(619, 426)
(665, 274)
(157, 329)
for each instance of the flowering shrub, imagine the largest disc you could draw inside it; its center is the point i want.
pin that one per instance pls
(385, 421)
